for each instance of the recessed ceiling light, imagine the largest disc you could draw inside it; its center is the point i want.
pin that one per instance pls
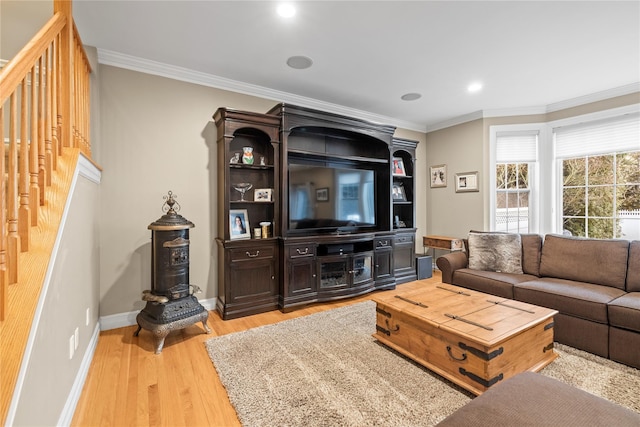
(286, 10)
(299, 62)
(475, 87)
(410, 96)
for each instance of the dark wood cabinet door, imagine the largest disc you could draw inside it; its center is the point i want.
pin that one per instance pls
(404, 257)
(252, 281)
(302, 279)
(383, 266)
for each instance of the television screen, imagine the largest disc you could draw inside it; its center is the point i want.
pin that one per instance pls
(328, 198)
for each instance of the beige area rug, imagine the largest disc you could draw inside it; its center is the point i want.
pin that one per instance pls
(326, 369)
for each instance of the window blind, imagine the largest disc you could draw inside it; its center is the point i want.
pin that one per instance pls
(512, 147)
(619, 135)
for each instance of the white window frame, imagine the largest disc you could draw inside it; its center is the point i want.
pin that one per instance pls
(546, 187)
(535, 180)
(557, 168)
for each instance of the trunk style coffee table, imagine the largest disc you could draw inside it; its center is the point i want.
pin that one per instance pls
(473, 339)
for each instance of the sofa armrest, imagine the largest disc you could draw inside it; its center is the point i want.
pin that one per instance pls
(451, 262)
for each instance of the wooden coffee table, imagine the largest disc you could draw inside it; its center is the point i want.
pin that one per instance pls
(473, 339)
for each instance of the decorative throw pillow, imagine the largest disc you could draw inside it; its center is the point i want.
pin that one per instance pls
(501, 252)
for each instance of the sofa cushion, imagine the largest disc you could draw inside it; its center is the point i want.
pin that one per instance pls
(532, 399)
(633, 270)
(624, 346)
(579, 299)
(624, 312)
(531, 252)
(603, 262)
(581, 333)
(499, 252)
(490, 282)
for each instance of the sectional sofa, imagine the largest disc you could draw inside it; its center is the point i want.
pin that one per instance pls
(534, 400)
(594, 284)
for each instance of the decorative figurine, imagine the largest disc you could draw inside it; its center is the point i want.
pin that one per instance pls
(247, 155)
(235, 158)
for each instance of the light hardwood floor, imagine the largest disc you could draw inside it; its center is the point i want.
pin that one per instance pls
(129, 385)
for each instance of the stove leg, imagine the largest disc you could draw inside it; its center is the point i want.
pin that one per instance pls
(205, 316)
(205, 326)
(159, 344)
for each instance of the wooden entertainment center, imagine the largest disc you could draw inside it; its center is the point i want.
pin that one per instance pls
(337, 194)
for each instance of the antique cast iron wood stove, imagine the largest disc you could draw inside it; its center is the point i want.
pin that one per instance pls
(170, 302)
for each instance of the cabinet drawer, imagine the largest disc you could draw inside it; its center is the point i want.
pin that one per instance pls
(404, 239)
(382, 243)
(251, 254)
(303, 250)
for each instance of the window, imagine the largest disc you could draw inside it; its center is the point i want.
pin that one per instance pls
(515, 165)
(599, 163)
(578, 176)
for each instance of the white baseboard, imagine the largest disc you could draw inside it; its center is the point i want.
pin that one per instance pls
(66, 417)
(123, 320)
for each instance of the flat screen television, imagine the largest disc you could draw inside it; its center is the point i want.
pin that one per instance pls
(331, 197)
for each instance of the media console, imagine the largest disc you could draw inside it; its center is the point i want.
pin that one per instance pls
(338, 228)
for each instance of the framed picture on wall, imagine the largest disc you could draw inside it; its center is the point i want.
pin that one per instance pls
(239, 224)
(438, 176)
(467, 182)
(322, 194)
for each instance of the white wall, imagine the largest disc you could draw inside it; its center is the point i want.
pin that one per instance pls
(156, 135)
(48, 376)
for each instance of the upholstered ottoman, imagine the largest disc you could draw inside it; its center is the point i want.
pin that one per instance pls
(532, 399)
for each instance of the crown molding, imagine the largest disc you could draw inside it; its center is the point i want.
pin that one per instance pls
(120, 60)
(545, 109)
(594, 97)
(133, 63)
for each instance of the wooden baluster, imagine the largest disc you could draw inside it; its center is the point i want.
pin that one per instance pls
(53, 103)
(60, 93)
(42, 171)
(34, 188)
(24, 221)
(74, 84)
(4, 285)
(82, 142)
(87, 108)
(48, 160)
(13, 239)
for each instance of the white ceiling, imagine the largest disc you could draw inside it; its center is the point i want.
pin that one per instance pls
(529, 55)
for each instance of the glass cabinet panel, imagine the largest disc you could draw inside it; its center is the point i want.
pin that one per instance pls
(334, 274)
(362, 270)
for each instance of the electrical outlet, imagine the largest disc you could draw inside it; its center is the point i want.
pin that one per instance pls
(87, 317)
(72, 346)
(76, 339)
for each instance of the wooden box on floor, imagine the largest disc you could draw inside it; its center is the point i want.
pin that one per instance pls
(473, 339)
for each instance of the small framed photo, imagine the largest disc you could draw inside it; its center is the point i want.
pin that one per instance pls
(239, 224)
(263, 194)
(467, 182)
(398, 193)
(398, 167)
(438, 176)
(322, 194)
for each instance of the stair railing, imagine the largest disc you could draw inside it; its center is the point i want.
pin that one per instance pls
(44, 106)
